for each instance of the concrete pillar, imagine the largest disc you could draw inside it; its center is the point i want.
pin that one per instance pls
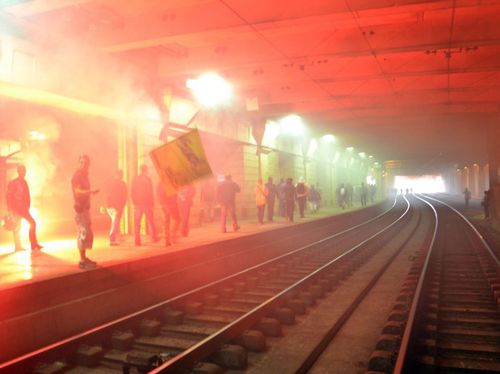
(128, 162)
(493, 140)
(458, 182)
(465, 178)
(392, 168)
(474, 180)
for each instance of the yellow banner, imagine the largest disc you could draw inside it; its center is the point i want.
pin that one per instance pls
(181, 162)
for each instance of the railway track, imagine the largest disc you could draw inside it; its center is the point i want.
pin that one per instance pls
(216, 314)
(454, 320)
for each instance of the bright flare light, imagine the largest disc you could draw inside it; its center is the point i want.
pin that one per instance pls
(37, 135)
(350, 149)
(210, 89)
(328, 138)
(420, 184)
(292, 125)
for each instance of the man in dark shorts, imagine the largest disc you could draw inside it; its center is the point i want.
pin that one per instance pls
(80, 185)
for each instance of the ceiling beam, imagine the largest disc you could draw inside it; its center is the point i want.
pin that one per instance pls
(35, 7)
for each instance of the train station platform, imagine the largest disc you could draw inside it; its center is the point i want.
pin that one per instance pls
(60, 257)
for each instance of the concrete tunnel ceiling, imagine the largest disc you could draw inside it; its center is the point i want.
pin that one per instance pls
(401, 79)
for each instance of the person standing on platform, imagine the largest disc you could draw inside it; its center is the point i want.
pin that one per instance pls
(289, 196)
(363, 194)
(82, 192)
(350, 194)
(373, 189)
(116, 198)
(260, 200)
(301, 190)
(226, 196)
(170, 211)
(342, 196)
(185, 200)
(467, 196)
(207, 201)
(313, 198)
(143, 199)
(486, 204)
(271, 191)
(18, 203)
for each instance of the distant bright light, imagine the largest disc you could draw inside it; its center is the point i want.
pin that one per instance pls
(420, 184)
(362, 154)
(370, 156)
(370, 180)
(37, 135)
(350, 148)
(292, 125)
(328, 138)
(210, 89)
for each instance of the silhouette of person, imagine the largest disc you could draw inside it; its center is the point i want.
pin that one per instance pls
(143, 199)
(18, 203)
(116, 198)
(82, 192)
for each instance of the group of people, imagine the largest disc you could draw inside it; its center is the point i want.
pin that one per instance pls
(485, 203)
(287, 195)
(345, 194)
(175, 207)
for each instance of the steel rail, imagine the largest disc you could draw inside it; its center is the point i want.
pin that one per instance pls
(472, 227)
(409, 330)
(202, 349)
(30, 359)
(333, 331)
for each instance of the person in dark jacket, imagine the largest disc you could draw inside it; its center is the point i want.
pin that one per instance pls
(290, 195)
(226, 195)
(314, 197)
(467, 196)
(170, 211)
(116, 199)
(272, 192)
(18, 203)
(143, 199)
(363, 193)
(82, 192)
(486, 203)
